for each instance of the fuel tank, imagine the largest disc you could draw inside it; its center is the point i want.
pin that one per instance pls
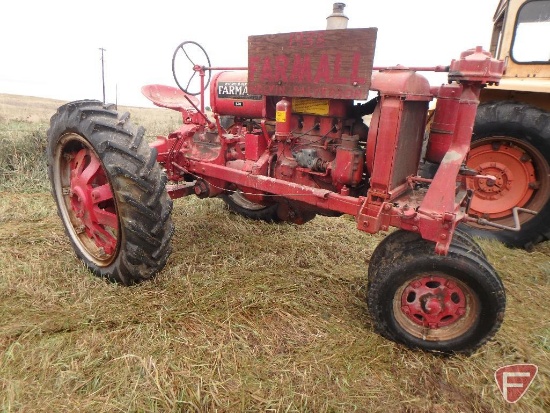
(229, 96)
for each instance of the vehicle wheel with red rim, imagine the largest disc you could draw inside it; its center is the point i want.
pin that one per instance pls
(447, 304)
(512, 143)
(109, 192)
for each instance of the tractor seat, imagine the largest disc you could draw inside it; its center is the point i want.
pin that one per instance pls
(170, 97)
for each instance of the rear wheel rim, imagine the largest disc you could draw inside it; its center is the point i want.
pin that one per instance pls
(522, 178)
(435, 307)
(86, 202)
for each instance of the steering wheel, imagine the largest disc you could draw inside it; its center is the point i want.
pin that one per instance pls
(191, 54)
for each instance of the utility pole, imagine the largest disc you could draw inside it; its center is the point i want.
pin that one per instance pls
(103, 72)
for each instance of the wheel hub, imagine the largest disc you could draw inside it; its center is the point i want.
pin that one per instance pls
(78, 200)
(515, 178)
(433, 302)
(494, 189)
(91, 203)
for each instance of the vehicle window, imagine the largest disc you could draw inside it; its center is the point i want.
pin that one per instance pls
(532, 34)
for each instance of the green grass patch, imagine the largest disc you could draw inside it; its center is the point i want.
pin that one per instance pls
(23, 156)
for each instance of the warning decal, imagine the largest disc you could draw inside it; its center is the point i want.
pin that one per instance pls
(311, 106)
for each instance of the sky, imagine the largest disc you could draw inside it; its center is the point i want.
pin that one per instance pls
(50, 48)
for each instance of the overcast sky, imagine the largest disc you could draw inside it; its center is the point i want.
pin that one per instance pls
(50, 48)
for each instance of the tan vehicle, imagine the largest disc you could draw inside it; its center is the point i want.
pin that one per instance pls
(512, 131)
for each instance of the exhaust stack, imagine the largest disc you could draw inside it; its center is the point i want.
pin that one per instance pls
(337, 20)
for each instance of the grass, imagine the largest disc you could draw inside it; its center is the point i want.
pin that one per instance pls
(22, 158)
(23, 127)
(246, 316)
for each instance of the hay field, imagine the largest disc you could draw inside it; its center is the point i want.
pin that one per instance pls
(245, 317)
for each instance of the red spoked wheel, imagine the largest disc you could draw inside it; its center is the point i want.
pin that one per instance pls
(88, 202)
(110, 192)
(447, 304)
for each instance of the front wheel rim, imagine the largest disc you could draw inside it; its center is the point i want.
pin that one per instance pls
(435, 307)
(85, 198)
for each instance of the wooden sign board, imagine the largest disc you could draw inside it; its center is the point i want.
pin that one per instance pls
(335, 64)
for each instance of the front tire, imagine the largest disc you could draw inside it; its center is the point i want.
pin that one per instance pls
(110, 192)
(395, 243)
(447, 304)
(511, 142)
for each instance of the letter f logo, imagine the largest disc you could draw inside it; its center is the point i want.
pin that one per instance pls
(514, 380)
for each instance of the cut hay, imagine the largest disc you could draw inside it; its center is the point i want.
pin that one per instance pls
(246, 316)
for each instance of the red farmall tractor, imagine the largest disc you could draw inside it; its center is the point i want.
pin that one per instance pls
(286, 142)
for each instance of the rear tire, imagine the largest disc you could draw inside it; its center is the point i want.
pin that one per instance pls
(237, 203)
(512, 142)
(110, 192)
(447, 304)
